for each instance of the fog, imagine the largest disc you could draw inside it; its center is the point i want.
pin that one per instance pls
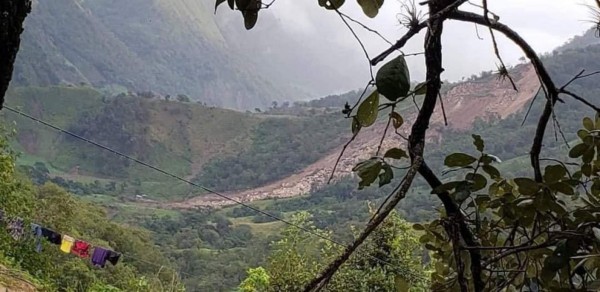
(546, 24)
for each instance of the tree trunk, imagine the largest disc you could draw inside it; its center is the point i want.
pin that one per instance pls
(12, 15)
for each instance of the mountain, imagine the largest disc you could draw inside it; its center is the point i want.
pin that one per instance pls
(168, 46)
(175, 47)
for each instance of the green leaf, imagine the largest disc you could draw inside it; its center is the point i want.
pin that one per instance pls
(397, 120)
(421, 88)
(331, 4)
(588, 155)
(370, 7)
(527, 186)
(367, 111)
(554, 173)
(459, 160)
(418, 227)
(393, 79)
(478, 181)
(355, 126)
(386, 176)
(588, 124)
(368, 171)
(491, 171)
(582, 134)
(217, 4)
(445, 187)
(478, 142)
(461, 195)
(562, 187)
(395, 153)
(249, 9)
(578, 150)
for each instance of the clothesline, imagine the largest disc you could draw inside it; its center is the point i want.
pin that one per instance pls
(58, 238)
(68, 244)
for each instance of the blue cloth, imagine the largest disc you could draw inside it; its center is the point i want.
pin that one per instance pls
(37, 232)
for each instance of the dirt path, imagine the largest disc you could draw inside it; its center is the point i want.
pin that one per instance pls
(464, 104)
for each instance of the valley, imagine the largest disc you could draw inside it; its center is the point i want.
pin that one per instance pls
(187, 105)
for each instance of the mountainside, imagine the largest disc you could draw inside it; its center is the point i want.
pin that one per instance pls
(167, 46)
(175, 47)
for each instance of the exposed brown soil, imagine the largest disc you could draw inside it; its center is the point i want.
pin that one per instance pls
(463, 105)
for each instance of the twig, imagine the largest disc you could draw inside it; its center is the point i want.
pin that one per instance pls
(384, 133)
(320, 281)
(365, 27)
(579, 98)
(542, 73)
(531, 105)
(443, 110)
(340, 156)
(357, 39)
(370, 83)
(503, 71)
(477, 32)
(413, 30)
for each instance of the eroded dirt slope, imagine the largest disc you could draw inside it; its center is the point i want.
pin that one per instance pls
(463, 105)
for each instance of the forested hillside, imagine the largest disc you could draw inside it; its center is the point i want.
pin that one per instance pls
(228, 150)
(141, 267)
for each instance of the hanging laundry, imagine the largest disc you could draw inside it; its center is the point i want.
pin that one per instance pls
(37, 232)
(113, 257)
(67, 243)
(100, 256)
(51, 236)
(15, 227)
(81, 249)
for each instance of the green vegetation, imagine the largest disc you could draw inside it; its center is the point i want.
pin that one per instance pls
(279, 148)
(53, 270)
(390, 260)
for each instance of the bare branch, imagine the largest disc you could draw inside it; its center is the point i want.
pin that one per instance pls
(543, 74)
(340, 156)
(415, 30)
(503, 71)
(579, 98)
(384, 133)
(320, 281)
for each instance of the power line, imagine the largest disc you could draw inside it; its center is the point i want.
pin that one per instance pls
(155, 168)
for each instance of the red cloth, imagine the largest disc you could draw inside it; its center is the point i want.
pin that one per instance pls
(81, 249)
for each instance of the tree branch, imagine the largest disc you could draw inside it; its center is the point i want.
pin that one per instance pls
(319, 282)
(416, 29)
(547, 82)
(12, 16)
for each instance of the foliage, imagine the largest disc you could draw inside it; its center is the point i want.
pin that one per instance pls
(533, 236)
(298, 256)
(279, 148)
(52, 207)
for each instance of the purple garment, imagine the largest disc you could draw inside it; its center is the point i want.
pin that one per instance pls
(100, 256)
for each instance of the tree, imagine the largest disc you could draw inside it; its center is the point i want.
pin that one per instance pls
(12, 16)
(521, 247)
(183, 98)
(297, 258)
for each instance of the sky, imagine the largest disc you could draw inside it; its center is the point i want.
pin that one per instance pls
(546, 24)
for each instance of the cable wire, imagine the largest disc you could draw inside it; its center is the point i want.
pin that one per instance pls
(155, 168)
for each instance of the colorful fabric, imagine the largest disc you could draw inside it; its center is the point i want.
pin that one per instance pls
(113, 257)
(67, 243)
(99, 257)
(51, 236)
(81, 249)
(37, 233)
